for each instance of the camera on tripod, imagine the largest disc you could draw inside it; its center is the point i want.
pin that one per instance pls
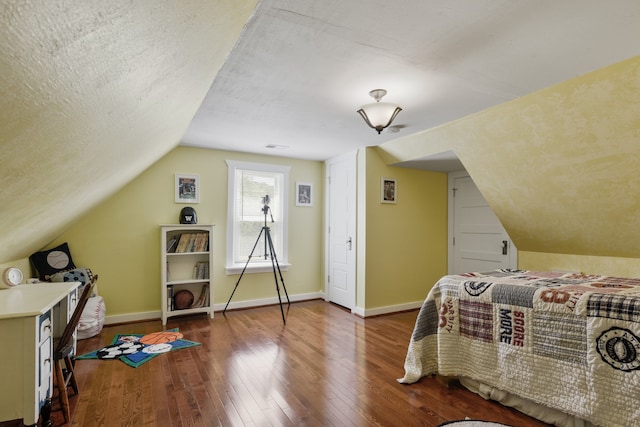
(265, 207)
(269, 253)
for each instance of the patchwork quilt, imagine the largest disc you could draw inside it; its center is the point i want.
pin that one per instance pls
(567, 341)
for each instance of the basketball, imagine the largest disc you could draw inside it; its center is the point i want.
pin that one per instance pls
(183, 299)
(160, 337)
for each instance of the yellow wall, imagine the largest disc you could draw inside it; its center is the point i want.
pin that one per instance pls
(559, 167)
(609, 266)
(96, 92)
(406, 242)
(120, 239)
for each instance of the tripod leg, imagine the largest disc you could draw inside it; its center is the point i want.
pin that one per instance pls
(282, 280)
(244, 269)
(274, 262)
(273, 252)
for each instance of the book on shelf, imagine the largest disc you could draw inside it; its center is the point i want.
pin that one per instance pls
(202, 299)
(183, 242)
(192, 242)
(170, 297)
(171, 245)
(202, 242)
(201, 270)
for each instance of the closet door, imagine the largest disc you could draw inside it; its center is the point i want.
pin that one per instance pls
(479, 242)
(341, 233)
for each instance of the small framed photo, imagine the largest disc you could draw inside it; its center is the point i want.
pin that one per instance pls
(187, 188)
(304, 194)
(388, 190)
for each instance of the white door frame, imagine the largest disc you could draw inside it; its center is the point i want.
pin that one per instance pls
(351, 157)
(450, 181)
(513, 251)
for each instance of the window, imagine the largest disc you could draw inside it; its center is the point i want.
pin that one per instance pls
(249, 184)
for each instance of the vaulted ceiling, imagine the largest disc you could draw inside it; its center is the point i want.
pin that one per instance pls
(92, 94)
(95, 92)
(301, 68)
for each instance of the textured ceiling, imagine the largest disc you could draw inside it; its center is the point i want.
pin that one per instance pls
(91, 94)
(302, 68)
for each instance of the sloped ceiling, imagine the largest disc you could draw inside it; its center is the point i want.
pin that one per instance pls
(559, 167)
(302, 68)
(93, 92)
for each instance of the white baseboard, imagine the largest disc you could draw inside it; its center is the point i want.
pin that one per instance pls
(267, 301)
(132, 317)
(358, 311)
(155, 315)
(386, 310)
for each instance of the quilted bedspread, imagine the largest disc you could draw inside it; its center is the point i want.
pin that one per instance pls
(566, 341)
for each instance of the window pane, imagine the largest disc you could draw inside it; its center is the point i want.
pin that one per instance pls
(251, 211)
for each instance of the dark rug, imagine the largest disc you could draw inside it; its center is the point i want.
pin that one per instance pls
(137, 349)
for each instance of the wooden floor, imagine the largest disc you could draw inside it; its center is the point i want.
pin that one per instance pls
(326, 367)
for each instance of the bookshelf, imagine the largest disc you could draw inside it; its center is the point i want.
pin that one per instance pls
(186, 266)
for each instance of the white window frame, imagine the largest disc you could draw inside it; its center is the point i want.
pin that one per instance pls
(283, 258)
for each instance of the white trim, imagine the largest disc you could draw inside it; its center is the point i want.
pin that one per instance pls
(352, 157)
(133, 317)
(267, 167)
(452, 176)
(155, 315)
(450, 181)
(268, 301)
(256, 268)
(387, 310)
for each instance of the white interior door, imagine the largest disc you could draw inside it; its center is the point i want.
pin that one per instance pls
(478, 242)
(341, 226)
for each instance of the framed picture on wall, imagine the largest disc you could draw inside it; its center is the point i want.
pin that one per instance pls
(187, 188)
(304, 194)
(388, 190)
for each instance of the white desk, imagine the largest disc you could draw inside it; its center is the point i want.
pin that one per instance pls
(30, 316)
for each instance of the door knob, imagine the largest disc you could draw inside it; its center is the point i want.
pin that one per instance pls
(349, 242)
(505, 247)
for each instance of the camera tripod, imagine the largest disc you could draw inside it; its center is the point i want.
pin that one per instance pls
(269, 253)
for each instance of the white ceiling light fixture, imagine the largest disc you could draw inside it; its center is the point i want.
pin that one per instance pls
(379, 115)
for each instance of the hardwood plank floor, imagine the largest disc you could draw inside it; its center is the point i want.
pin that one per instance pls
(325, 367)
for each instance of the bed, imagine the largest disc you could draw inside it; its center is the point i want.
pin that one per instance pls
(563, 347)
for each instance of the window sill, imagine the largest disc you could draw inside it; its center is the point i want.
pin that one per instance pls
(256, 268)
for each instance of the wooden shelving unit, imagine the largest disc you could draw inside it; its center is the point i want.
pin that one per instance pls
(186, 266)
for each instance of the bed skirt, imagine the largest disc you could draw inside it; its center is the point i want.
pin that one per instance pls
(526, 406)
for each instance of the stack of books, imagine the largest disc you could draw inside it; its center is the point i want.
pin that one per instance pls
(202, 300)
(188, 242)
(201, 270)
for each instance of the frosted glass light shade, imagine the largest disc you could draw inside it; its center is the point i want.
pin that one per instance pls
(379, 115)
